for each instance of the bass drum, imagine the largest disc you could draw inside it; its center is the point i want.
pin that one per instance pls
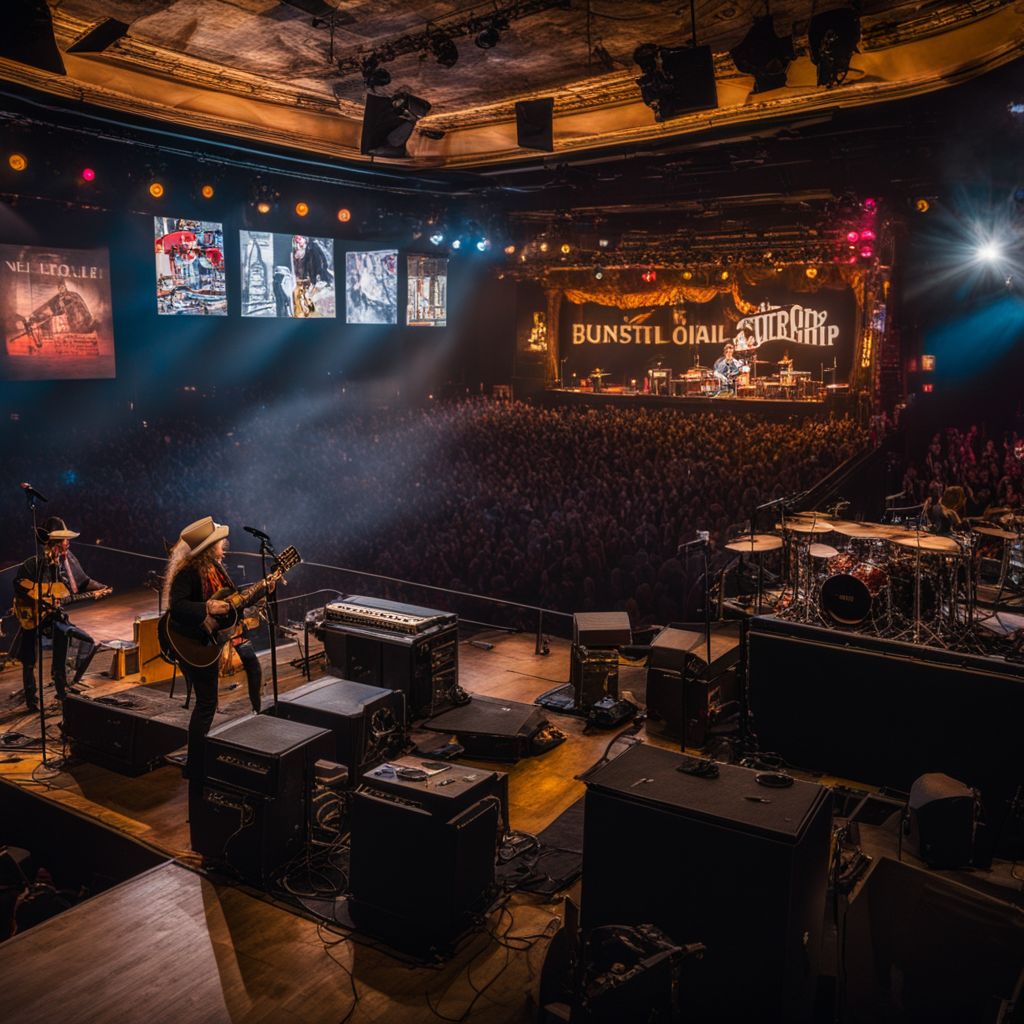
(853, 593)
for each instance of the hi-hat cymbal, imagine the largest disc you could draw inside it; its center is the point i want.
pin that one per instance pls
(756, 545)
(928, 542)
(805, 526)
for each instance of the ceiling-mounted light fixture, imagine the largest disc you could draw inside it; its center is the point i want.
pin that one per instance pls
(833, 37)
(444, 50)
(490, 32)
(374, 76)
(764, 55)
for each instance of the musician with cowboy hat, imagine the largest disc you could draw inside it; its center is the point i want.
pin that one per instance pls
(195, 572)
(59, 566)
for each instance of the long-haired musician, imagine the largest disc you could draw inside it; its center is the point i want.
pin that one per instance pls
(195, 572)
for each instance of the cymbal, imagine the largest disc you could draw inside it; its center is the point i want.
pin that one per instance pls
(805, 526)
(755, 545)
(822, 551)
(849, 528)
(995, 531)
(929, 542)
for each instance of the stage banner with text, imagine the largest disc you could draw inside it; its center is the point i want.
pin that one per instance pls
(56, 313)
(813, 329)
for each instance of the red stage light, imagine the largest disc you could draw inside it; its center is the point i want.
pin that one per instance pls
(867, 251)
(88, 174)
(853, 236)
(927, 388)
(870, 205)
(867, 235)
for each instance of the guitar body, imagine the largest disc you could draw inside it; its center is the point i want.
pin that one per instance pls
(179, 649)
(55, 596)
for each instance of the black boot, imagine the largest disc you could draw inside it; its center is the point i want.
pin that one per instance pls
(31, 702)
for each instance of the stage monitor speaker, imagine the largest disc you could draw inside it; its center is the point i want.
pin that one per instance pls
(724, 861)
(920, 947)
(152, 666)
(491, 729)
(942, 821)
(249, 834)
(127, 740)
(417, 877)
(601, 629)
(367, 722)
(535, 124)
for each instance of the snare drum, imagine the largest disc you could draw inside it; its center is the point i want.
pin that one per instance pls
(854, 590)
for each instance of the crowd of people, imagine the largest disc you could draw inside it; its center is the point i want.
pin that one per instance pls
(976, 472)
(572, 509)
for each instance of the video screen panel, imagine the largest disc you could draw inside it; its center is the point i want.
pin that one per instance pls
(427, 304)
(56, 313)
(286, 275)
(371, 287)
(190, 278)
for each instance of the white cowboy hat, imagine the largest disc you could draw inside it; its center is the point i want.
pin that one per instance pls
(202, 534)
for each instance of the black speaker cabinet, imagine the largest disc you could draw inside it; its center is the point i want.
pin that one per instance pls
(127, 740)
(726, 861)
(265, 755)
(367, 722)
(942, 821)
(416, 876)
(534, 124)
(249, 834)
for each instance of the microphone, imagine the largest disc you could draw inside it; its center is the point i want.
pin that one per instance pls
(31, 492)
(256, 533)
(703, 536)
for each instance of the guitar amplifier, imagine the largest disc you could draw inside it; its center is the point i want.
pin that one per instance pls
(125, 661)
(152, 666)
(265, 755)
(366, 722)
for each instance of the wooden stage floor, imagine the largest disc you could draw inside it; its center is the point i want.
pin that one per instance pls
(175, 944)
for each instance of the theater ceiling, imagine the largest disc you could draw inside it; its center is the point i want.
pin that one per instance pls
(288, 73)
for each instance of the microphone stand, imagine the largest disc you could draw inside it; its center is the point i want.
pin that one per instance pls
(38, 641)
(267, 549)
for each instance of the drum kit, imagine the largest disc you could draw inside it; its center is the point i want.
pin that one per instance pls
(882, 579)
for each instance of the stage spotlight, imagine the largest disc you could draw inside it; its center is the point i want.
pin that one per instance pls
(989, 252)
(724, 275)
(599, 274)
(444, 50)
(436, 238)
(867, 235)
(602, 243)
(374, 76)
(764, 55)
(156, 189)
(811, 272)
(456, 243)
(853, 236)
(687, 275)
(833, 38)
(922, 205)
(17, 162)
(510, 250)
(490, 35)
(867, 251)
(565, 248)
(543, 247)
(301, 209)
(650, 276)
(263, 206)
(207, 191)
(870, 204)
(344, 215)
(88, 174)
(483, 244)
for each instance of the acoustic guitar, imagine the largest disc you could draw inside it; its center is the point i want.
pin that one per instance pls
(179, 649)
(32, 604)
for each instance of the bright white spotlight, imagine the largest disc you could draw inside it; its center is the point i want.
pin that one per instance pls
(436, 238)
(457, 243)
(989, 252)
(483, 245)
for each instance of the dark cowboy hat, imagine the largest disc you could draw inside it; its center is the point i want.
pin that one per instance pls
(54, 528)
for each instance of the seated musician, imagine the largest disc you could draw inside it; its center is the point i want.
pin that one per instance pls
(727, 367)
(195, 572)
(59, 566)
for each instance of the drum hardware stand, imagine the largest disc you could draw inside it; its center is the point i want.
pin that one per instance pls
(917, 628)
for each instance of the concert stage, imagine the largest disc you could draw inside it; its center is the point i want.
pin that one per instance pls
(780, 408)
